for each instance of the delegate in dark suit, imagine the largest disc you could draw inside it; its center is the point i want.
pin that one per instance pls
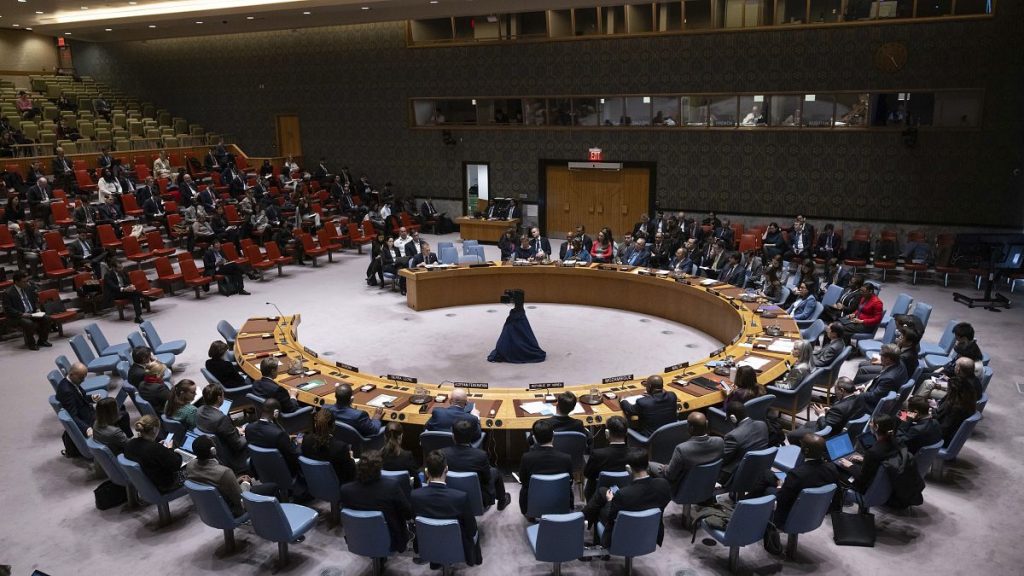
(442, 419)
(77, 404)
(694, 452)
(889, 380)
(652, 411)
(20, 301)
(811, 473)
(267, 388)
(642, 494)
(357, 419)
(917, 435)
(225, 372)
(748, 435)
(84, 253)
(839, 414)
(211, 420)
(541, 460)
(824, 355)
(421, 259)
(266, 434)
(435, 500)
(386, 496)
(611, 458)
(462, 458)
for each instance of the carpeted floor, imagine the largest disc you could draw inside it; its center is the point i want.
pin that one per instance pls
(968, 522)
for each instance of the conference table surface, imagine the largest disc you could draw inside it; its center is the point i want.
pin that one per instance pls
(710, 306)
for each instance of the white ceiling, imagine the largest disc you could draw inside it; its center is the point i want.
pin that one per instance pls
(90, 20)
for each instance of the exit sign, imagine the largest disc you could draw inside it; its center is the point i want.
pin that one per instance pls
(596, 155)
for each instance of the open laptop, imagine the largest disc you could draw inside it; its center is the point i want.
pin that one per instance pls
(225, 407)
(185, 450)
(839, 446)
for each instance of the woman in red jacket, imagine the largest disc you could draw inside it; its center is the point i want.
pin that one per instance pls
(604, 247)
(867, 317)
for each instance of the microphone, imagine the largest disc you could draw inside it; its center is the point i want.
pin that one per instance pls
(281, 314)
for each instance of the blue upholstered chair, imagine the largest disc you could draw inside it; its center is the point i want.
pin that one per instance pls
(440, 541)
(228, 332)
(950, 452)
(323, 483)
(756, 409)
(147, 491)
(237, 395)
(557, 538)
(469, 483)
(792, 401)
(832, 294)
(867, 347)
(925, 458)
(814, 331)
(662, 442)
(574, 444)
(95, 364)
(100, 343)
(887, 405)
(357, 441)
(549, 494)
(945, 344)
(215, 512)
(607, 479)
(277, 522)
(270, 466)
(697, 486)
(135, 340)
(923, 312)
(76, 434)
(91, 383)
(106, 459)
(807, 514)
(293, 422)
(790, 455)
(157, 343)
(635, 534)
(366, 535)
(747, 525)
(750, 471)
(856, 426)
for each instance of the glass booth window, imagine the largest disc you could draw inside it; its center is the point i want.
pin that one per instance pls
(754, 110)
(535, 111)
(456, 112)
(694, 110)
(957, 109)
(826, 11)
(638, 111)
(666, 111)
(425, 113)
(560, 112)
(817, 110)
(902, 109)
(723, 111)
(613, 111)
(852, 110)
(587, 111)
(785, 110)
(501, 111)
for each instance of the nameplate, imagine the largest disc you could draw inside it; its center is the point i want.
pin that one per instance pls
(348, 367)
(623, 378)
(406, 379)
(719, 351)
(677, 367)
(310, 352)
(478, 385)
(546, 385)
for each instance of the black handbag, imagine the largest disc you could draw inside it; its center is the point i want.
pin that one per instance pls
(109, 495)
(849, 529)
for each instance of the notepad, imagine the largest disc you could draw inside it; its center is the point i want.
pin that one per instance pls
(535, 408)
(754, 362)
(632, 399)
(311, 385)
(782, 346)
(708, 282)
(381, 400)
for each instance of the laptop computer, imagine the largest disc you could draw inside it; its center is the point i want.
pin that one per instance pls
(225, 407)
(839, 446)
(185, 450)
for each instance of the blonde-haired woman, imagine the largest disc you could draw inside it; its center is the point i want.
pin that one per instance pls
(158, 462)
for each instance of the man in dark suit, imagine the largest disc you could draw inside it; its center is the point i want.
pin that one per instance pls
(424, 257)
(75, 401)
(639, 255)
(267, 433)
(565, 403)
(373, 493)
(611, 458)
(39, 198)
(541, 459)
(63, 171)
(732, 272)
(581, 234)
(105, 161)
(141, 356)
(848, 405)
(117, 287)
(892, 376)
(643, 493)
(187, 191)
(464, 458)
(699, 449)
(436, 500)
(443, 418)
(747, 436)
(539, 243)
(357, 419)
(654, 409)
(725, 234)
(216, 263)
(84, 253)
(920, 429)
(824, 355)
(829, 244)
(801, 239)
(267, 388)
(864, 467)
(21, 305)
(210, 420)
(644, 228)
(814, 471)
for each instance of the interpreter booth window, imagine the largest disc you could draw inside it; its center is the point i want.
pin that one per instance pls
(754, 111)
(723, 111)
(587, 111)
(456, 111)
(852, 110)
(973, 7)
(503, 111)
(790, 11)
(817, 110)
(666, 111)
(697, 15)
(535, 111)
(785, 110)
(669, 16)
(930, 8)
(695, 111)
(638, 111)
(560, 112)
(826, 11)
(427, 113)
(957, 109)
(902, 109)
(613, 111)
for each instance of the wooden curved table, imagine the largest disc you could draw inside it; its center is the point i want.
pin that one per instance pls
(715, 310)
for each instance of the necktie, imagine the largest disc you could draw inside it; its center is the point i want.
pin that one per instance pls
(45, 195)
(25, 301)
(85, 248)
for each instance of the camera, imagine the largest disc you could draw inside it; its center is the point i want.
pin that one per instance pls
(514, 296)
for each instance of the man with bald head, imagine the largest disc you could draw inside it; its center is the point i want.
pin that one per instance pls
(654, 409)
(815, 471)
(443, 417)
(935, 388)
(358, 419)
(701, 448)
(78, 404)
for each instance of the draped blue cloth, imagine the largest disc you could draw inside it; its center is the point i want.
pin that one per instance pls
(517, 344)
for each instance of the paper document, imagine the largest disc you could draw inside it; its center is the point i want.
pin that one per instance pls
(535, 408)
(708, 282)
(632, 399)
(754, 362)
(380, 400)
(782, 346)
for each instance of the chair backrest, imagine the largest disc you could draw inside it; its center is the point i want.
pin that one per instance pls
(143, 406)
(607, 479)
(814, 331)
(54, 376)
(757, 408)
(366, 533)
(902, 306)
(832, 295)
(273, 250)
(130, 245)
(270, 466)
(947, 339)
(99, 340)
(751, 470)
(749, 521)
(63, 364)
(448, 255)
(923, 312)
(665, 439)
(886, 405)
(440, 541)
(213, 510)
(321, 479)
(925, 457)
(108, 462)
(76, 435)
(469, 483)
(961, 436)
(699, 483)
(549, 494)
(268, 518)
(431, 440)
(81, 348)
(981, 403)
(905, 391)
(227, 331)
(636, 533)
(135, 339)
(147, 491)
(401, 477)
(560, 537)
(469, 259)
(574, 444)
(172, 426)
(149, 330)
(856, 426)
(254, 255)
(833, 368)
(163, 267)
(479, 251)
(889, 335)
(783, 294)
(441, 245)
(986, 377)
(809, 510)
(879, 491)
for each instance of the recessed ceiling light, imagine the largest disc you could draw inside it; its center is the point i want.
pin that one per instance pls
(152, 25)
(67, 33)
(199, 21)
(84, 8)
(39, 11)
(16, 25)
(250, 17)
(29, 28)
(109, 29)
(22, 1)
(433, 1)
(133, 3)
(306, 13)
(365, 7)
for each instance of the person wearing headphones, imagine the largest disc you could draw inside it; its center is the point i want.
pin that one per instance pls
(655, 409)
(267, 433)
(205, 469)
(611, 458)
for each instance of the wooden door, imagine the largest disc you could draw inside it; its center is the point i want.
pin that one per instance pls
(596, 199)
(289, 137)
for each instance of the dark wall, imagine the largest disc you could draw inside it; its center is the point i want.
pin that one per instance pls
(351, 85)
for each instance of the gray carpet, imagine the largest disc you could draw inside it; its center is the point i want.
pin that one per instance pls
(968, 521)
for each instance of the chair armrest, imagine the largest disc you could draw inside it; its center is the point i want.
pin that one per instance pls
(637, 438)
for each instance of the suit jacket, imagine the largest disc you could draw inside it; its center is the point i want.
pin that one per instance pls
(882, 449)
(824, 355)
(61, 166)
(337, 452)
(638, 257)
(805, 309)
(747, 436)
(732, 275)
(917, 435)
(541, 243)
(442, 419)
(382, 495)
(267, 388)
(114, 282)
(355, 418)
(156, 393)
(77, 403)
(652, 411)
(13, 305)
(642, 494)
(212, 421)
(562, 423)
(220, 477)
(541, 460)
(840, 413)
(694, 452)
(611, 458)
(35, 194)
(266, 434)
(80, 246)
(465, 458)
(225, 372)
(889, 380)
(438, 501)
(808, 474)
(159, 463)
(420, 259)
